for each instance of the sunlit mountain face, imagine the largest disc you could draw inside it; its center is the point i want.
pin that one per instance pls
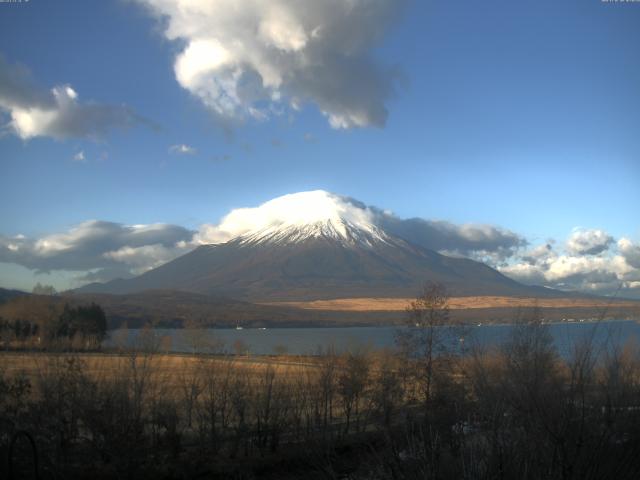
(299, 216)
(283, 230)
(316, 245)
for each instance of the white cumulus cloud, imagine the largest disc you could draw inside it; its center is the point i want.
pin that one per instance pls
(103, 250)
(589, 242)
(591, 261)
(182, 149)
(57, 113)
(630, 251)
(295, 208)
(248, 58)
(478, 241)
(143, 258)
(100, 250)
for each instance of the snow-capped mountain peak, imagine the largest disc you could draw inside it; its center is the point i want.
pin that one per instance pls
(339, 230)
(300, 216)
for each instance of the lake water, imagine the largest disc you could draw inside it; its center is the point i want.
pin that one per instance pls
(308, 341)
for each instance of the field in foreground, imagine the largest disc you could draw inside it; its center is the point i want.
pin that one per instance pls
(359, 415)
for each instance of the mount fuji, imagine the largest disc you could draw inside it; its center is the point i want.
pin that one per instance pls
(314, 245)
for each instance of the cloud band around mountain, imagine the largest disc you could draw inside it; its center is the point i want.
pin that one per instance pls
(99, 250)
(590, 260)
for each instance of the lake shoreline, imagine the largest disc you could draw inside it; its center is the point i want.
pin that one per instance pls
(312, 340)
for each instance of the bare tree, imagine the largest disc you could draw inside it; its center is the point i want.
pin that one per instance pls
(352, 382)
(326, 379)
(214, 407)
(429, 334)
(190, 387)
(387, 389)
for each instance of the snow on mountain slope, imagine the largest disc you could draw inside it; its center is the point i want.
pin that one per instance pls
(312, 245)
(339, 230)
(296, 217)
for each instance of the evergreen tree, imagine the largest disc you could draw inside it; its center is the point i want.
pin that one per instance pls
(82, 320)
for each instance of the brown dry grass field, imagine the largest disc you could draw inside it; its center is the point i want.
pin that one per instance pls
(455, 303)
(172, 370)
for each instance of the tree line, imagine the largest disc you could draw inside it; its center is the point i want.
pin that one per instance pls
(82, 326)
(433, 408)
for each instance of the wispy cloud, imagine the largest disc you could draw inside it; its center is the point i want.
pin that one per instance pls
(182, 149)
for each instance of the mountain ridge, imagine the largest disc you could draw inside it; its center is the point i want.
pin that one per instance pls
(317, 267)
(316, 245)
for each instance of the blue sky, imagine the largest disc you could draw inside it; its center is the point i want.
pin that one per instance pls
(519, 115)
